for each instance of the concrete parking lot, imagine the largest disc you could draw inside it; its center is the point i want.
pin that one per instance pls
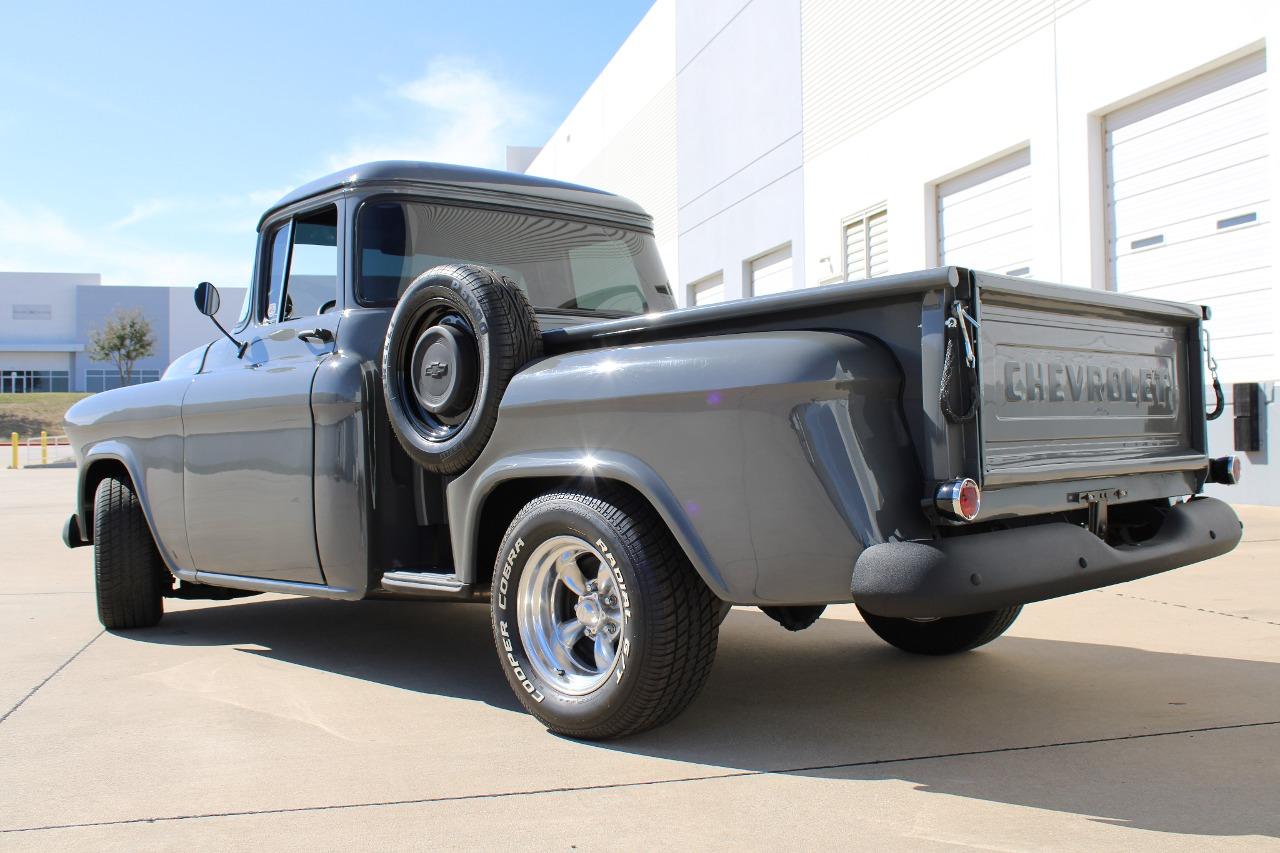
(1141, 716)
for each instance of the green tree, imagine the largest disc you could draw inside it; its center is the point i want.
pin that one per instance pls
(125, 337)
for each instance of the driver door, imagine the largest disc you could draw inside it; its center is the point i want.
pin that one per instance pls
(248, 424)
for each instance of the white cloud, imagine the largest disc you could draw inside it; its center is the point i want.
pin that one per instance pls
(237, 214)
(38, 239)
(140, 211)
(454, 113)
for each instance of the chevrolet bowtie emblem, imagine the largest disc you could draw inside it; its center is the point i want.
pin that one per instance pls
(436, 369)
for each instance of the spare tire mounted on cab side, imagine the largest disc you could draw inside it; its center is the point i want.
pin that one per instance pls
(456, 337)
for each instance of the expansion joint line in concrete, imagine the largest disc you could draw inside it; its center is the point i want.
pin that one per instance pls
(34, 690)
(740, 774)
(1198, 609)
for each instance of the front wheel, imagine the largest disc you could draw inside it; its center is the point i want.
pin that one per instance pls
(603, 627)
(129, 575)
(944, 636)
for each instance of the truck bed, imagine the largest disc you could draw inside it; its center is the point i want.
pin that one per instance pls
(1080, 390)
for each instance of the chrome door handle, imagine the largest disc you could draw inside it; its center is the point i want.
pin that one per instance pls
(324, 336)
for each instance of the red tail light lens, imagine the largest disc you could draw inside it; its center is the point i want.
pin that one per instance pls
(959, 499)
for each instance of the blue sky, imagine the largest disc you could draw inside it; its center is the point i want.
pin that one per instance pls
(142, 140)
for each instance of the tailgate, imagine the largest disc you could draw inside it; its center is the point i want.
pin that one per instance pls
(1078, 383)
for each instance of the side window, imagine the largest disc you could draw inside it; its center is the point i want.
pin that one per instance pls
(279, 263)
(303, 267)
(312, 284)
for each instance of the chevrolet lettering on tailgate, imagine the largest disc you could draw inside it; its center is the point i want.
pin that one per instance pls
(1088, 378)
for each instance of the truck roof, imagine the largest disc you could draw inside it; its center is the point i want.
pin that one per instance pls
(483, 183)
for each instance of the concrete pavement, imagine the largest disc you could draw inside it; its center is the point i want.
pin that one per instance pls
(1141, 716)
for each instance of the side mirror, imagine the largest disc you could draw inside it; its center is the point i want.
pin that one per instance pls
(207, 299)
(207, 303)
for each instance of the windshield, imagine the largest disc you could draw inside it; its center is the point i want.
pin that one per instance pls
(561, 264)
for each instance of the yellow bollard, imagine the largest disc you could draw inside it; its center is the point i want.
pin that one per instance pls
(13, 440)
(44, 447)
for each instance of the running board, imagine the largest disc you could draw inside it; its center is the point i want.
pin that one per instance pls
(315, 590)
(431, 585)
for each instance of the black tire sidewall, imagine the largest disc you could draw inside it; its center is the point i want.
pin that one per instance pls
(945, 636)
(129, 574)
(451, 292)
(559, 710)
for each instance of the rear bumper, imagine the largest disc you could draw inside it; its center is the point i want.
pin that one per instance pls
(988, 571)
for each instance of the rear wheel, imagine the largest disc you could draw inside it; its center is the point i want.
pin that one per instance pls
(602, 626)
(944, 636)
(128, 573)
(795, 618)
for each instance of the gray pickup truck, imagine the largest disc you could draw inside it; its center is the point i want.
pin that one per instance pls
(451, 383)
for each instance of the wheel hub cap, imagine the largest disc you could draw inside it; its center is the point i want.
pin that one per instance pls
(443, 368)
(590, 612)
(570, 617)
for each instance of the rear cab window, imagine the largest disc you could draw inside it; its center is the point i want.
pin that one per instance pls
(563, 266)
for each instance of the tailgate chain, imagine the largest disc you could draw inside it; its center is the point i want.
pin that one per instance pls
(1221, 401)
(957, 326)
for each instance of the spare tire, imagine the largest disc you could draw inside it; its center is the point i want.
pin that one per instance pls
(457, 336)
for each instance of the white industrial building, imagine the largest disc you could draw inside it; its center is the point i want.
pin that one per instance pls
(1119, 144)
(46, 318)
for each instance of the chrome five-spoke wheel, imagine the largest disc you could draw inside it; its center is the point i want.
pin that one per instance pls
(601, 624)
(571, 615)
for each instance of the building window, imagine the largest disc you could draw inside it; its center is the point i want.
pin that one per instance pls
(707, 291)
(105, 380)
(33, 381)
(866, 245)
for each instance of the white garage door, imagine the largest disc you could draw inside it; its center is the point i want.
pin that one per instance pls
(771, 273)
(984, 217)
(1188, 214)
(707, 291)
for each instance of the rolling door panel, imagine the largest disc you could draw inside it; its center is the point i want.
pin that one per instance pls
(984, 217)
(1189, 207)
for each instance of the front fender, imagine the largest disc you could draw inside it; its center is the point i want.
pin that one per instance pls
(119, 452)
(774, 457)
(140, 428)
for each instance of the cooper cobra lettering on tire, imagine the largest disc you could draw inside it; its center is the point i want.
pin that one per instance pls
(603, 626)
(506, 572)
(456, 337)
(516, 670)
